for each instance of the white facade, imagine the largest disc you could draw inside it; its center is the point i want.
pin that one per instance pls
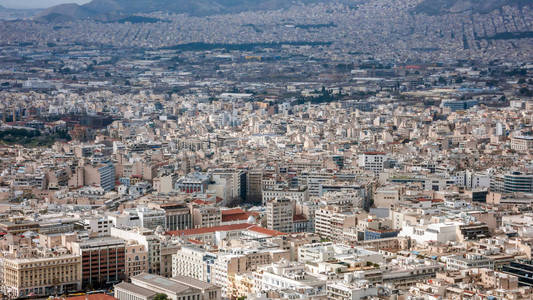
(372, 161)
(439, 232)
(190, 262)
(97, 225)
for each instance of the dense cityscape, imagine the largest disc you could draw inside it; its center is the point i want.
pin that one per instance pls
(375, 150)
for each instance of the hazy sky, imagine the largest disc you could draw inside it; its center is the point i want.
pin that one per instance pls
(37, 3)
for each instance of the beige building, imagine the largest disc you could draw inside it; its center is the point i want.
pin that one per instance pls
(42, 276)
(167, 250)
(279, 213)
(386, 197)
(241, 285)
(330, 221)
(498, 280)
(522, 143)
(136, 259)
(206, 216)
(240, 261)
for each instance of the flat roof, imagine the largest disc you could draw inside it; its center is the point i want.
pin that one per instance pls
(161, 282)
(193, 282)
(135, 289)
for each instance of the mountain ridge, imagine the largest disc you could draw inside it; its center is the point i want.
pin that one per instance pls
(105, 9)
(109, 10)
(440, 7)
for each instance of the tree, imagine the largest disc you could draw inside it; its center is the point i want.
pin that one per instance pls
(161, 296)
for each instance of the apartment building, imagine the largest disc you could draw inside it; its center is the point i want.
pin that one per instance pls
(522, 143)
(372, 161)
(331, 220)
(192, 262)
(300, 194)
(136, 259)
(206, 216)
(100, 175)
(279, 213)
(148, 239)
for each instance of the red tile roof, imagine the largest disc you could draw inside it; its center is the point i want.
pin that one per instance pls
(235, 217)
(197, 242)
(236, 214)
(266, 231)
(297, 218)
(233, 211)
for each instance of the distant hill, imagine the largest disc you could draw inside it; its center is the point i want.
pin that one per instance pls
(113, 10)
(67, 12)
(442, 7)
(14, 14)
(110, 9)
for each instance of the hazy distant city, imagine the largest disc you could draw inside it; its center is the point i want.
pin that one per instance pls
(242, 149)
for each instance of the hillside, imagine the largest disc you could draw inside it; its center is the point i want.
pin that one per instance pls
(443, 7)
(103, 9)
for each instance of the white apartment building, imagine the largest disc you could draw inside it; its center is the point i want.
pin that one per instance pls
(522, 143)
(289, 275)
(192, 262)
(330, 221)
(99, 225)
(300, 194)
(372, 161)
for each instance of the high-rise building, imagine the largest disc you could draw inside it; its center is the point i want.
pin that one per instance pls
(100, 175)
(103, 261)
(280, 214)
(513, 182)
(254, 181)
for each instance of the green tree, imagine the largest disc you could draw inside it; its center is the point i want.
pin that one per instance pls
(161, 296)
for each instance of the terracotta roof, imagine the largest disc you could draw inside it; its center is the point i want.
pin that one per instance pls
(266, 231)
(197, 242)
(374, 153)
(299, 218)
(236, 214)
(232, 211)
(234, 217)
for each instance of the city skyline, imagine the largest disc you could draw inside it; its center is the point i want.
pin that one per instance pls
(242, 149)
